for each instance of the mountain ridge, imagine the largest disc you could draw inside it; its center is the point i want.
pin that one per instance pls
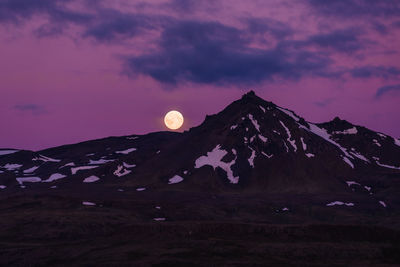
(252, 144)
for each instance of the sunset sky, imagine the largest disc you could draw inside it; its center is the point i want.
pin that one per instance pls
(74, 70)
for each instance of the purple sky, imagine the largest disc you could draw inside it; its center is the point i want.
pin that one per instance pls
(74, 70)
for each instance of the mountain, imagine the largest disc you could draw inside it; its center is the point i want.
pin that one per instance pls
(252, 163)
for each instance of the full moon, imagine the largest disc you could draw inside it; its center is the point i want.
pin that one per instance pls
(173, 120)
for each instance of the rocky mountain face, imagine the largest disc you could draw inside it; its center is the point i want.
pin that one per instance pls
(251, 145)
(252, 162)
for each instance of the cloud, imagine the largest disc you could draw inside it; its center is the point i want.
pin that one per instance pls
(380, 27)
(396, 24)
(346, 40)
(33, 108)
(276, 28)
(210, 52)
(111, 25)
(260, 49)
(348, 9)
(375, 71)
(16, 11)
(324, 103)
(387, 89)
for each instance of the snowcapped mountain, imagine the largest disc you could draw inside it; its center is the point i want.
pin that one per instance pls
(251, 166)
(250, 145)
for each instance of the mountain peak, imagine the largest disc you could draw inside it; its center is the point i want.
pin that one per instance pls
(251, 96)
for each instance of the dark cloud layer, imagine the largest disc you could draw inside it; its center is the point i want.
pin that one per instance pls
(203, 51)
(212, 52)
(264, 25)
(387, 89)
(347, 40)
(348, 9)
(33, 108)
(375, 71)
(113, 25)
(16, 11)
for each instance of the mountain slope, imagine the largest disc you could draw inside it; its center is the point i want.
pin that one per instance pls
(252, 146)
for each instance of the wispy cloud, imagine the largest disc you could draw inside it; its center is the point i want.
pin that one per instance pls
(387, 89)
(385, 72)
(32, 108)
(211, 52)
(348, 9)
(204, 51)
(325, 102)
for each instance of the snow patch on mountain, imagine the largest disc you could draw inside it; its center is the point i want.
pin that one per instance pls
(126, 151)
(292, 142)
(126, 165)
(303, 144)
(54, 177)
(381, 135)
(214, 159)
(263, 109)
(263, 138)
(140, 189)
(396, 141)
(12, 166)
(32, 179)
(71, 164)
(289, 113)
(254, 121)
(176, 179)
(233, 127)
(252, 157)
(358, 155)
(345, 159)
(348, 131)
(31, 170)
(100, 161)
(3, 187)
(265, 154)
(88, 203)
(382, 203)
(7, 152)
(340, 203)
(387, 166)
(121, 171)
(286, 147)
(377, 143)
(80, 168)
(45, 159)
(91, 179)
(350, 183)
(321, 132)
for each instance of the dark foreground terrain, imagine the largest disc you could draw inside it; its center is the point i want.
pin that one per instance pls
(219, 230)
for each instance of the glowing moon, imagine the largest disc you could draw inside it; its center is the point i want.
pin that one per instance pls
(173, 120)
